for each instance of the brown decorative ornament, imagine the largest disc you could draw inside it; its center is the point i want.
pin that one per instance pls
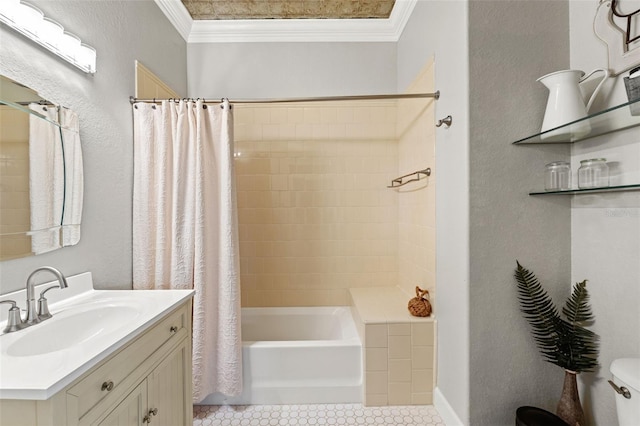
(420, 306)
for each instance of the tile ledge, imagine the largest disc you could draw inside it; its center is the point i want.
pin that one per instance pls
(384, 305)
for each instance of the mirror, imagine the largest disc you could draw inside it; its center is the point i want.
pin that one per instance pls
(41, 184)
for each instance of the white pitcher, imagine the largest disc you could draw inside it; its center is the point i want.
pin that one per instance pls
(565, 103)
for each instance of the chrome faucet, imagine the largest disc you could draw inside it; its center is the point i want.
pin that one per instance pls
(14, 320)
(33, 316)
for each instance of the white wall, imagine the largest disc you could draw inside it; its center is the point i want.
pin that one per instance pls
(439, 28)
(280, 70)
(121, 31)
(605, 240)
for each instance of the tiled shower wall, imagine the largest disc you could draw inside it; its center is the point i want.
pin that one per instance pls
(416, 214)
(14, 183)
(315, 216)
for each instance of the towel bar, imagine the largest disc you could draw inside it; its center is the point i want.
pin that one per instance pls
(398, 182)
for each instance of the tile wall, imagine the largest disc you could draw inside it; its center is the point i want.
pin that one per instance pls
(399, 363)
(14, 183)
(416, 218)
(315, 216)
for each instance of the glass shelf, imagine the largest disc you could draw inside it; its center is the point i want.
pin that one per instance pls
(600, 123)
(619, 188)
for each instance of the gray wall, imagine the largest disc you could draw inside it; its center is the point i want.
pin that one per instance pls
(439, 28)
(511, 44)
(121, 31)
(276, 70)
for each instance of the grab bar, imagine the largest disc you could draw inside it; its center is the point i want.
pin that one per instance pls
(398, 182)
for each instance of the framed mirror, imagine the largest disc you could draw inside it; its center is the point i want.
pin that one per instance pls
(617, 24)
(40, 174)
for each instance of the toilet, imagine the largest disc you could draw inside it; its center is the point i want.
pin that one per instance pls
(626, 382)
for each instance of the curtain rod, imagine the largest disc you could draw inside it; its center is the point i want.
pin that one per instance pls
(435, 95)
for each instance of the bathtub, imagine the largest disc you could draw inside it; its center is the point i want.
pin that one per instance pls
(298, 356)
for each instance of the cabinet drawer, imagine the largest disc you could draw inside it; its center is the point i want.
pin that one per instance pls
(118, 373)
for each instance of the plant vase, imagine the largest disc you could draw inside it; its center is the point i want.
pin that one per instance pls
(563, 340)
(569, 407)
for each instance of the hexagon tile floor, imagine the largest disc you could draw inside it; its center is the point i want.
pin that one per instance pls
(320, 414)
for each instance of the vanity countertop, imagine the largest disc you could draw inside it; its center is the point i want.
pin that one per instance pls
(87, 326)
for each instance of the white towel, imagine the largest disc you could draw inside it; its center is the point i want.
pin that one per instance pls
(74, 177)
(46, 180)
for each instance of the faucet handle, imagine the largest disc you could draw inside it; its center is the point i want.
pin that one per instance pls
(43, 304)
(14, 320)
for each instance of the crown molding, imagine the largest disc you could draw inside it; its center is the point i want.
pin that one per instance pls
(402, 10)
(288, 30)
(178, 15)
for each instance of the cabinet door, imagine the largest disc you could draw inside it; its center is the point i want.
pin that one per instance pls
(131, 411)
(170, 388)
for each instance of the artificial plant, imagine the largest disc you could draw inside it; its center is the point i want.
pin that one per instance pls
(564, 342)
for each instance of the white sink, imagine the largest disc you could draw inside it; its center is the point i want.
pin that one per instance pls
(73, 327)
(87, 326)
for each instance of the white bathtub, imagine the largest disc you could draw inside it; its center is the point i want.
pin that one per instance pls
(298, 356)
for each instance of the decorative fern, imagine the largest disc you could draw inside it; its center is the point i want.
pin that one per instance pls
(565, 343)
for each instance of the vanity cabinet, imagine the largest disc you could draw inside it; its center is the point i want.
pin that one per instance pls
(147, 381)
(158, 400)
(131, 411)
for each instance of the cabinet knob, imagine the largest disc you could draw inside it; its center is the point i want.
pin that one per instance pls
(173, 329)
(107, 386)
(151, 413)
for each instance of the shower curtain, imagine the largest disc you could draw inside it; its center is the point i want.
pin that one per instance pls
(185, 228)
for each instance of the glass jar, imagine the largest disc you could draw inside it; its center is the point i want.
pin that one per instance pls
(593, 173)
(557, 176)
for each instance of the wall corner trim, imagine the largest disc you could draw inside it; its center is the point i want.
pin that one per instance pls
(288, 30)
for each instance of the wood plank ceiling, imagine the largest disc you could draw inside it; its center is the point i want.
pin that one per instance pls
(288, 9)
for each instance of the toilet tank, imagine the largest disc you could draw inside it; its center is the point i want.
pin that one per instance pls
(626, 373)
